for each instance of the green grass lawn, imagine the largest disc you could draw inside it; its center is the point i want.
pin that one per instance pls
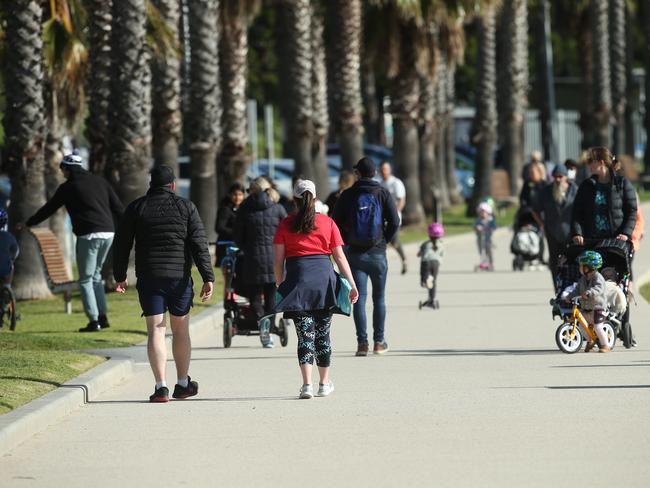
(645, 292)
(455, 222)
(45, 350)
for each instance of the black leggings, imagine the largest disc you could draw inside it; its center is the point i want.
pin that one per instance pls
(313, 330)
(429, 268)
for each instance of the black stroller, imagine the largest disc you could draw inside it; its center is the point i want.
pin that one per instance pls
(527, 243)
(238, 317)
(617, 270)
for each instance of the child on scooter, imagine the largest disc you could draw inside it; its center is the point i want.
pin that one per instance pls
(484, 226)
(430, 254)
(591, 289)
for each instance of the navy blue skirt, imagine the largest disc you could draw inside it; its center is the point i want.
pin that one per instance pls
(311, 284)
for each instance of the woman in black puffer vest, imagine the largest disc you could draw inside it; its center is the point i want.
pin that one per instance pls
(257, 219)
(605, 205)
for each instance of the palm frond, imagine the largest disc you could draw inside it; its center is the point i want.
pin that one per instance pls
(160, 37)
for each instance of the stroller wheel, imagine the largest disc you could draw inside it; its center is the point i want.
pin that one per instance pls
(436, 305)
(626, 335)
(284, 332)
(227, 331)
(420, 305)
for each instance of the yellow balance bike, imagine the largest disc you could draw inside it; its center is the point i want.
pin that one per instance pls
(574, 329)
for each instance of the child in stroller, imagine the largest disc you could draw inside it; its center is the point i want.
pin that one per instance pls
(527, 243)
(484, 226)
(239, 318)
(430, 254)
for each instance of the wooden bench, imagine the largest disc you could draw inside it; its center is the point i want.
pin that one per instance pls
(500, 189)
(58, 279)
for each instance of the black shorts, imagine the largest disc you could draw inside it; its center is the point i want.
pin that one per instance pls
(157, 295)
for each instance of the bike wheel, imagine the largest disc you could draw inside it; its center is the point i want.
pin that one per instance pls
(565, 342)
(227, 331)
(611, 334)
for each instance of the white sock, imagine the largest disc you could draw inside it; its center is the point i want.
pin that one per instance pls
(183, 382)
(161, 384)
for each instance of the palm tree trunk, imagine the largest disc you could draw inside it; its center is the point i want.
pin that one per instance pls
(450, 143)
(204, 116)
(516, 88)
(166, 93)
(441, 123)
(319, 101)
(345, 51)
(618, 55)
(24, 128)
(631, 107)
(427, 144)
(404, 106)
(484, 130)
(296, 76)
(233, 50)
(544, 77)
(585, 47)
(646, 24)
(372, 114)
(130, 148)
(602, 86)
(98, 83)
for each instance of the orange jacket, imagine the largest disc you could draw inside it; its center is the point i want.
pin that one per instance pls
(637, 234)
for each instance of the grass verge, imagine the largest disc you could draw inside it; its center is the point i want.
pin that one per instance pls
(645, 292)
(46, 348)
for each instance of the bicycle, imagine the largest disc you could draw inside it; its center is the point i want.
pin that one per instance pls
(569, 336)
(8, 314)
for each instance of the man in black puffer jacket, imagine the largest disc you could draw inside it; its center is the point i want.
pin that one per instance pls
(168, 235)
(257, 220)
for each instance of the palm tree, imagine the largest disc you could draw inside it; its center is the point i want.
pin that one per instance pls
(618, 55)
(98, 82)
(344, 51)
(450, 141)
(234, 158)
(441, 122)
(602, 80)
(24, 127)
(484, 128)
(646, 24)
(319, 102)
(130, 141)
(427, 143)
(204, 108)
(166, 89)
(515, 100)
(296, 75)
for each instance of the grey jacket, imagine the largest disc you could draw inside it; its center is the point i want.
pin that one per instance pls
(594, 288)
(557, 218)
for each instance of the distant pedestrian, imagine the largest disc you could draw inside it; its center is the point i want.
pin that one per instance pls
(94, 208)
(484, 226)
(555, 208)
(346, 180)
(256, 223)
(226, 216)
(304, 243)
(368, 219)
(168, 235)
(396, 188)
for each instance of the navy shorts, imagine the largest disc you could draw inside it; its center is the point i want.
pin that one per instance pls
(157, 295)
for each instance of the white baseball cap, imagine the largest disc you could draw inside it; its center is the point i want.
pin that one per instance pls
(302, 186)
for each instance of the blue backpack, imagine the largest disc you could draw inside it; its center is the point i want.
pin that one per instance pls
(366, 223)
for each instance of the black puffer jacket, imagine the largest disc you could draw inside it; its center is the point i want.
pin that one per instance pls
(257, 220)
(168, 234)
(622, 208)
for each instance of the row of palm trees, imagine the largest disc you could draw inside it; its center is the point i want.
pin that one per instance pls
(158, 74)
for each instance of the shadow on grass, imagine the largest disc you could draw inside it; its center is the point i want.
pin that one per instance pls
(471, 352)
(33, 380)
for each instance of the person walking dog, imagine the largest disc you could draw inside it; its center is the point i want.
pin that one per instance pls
(368, 219)
(94, 208)
(309, 291)
(168, 235)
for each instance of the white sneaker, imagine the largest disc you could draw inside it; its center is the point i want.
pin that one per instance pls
(326, 389)
(306, 392)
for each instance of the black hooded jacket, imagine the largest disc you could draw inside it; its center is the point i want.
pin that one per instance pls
(257, 220)
(622, 207)
(168, 234)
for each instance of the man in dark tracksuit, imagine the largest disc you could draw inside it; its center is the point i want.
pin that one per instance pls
(368, 262)
(168, 235)
(93, 207)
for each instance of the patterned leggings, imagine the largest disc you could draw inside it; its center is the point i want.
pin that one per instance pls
(313, 330)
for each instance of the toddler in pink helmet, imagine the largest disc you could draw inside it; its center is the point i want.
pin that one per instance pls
(430, 254)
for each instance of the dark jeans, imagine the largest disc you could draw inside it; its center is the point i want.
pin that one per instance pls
(256, 292)
(375, 267)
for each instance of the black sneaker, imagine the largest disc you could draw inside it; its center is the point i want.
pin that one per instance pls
(161, 395)
(103, 322)
(191, 389)
(93, 326)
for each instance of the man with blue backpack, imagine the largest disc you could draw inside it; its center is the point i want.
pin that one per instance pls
(368, 219)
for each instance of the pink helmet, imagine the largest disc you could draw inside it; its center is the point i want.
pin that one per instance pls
(486, 207)
(436, 230)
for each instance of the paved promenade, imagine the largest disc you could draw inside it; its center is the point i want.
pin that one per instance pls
(473, 394)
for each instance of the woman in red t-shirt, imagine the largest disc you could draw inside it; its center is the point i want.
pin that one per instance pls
(304, 242)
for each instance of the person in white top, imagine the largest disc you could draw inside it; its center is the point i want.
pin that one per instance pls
(397, 190)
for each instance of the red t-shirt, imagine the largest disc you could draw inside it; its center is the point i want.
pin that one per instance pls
(321, 240)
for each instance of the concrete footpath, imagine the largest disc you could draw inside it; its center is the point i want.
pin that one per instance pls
(473, 394)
